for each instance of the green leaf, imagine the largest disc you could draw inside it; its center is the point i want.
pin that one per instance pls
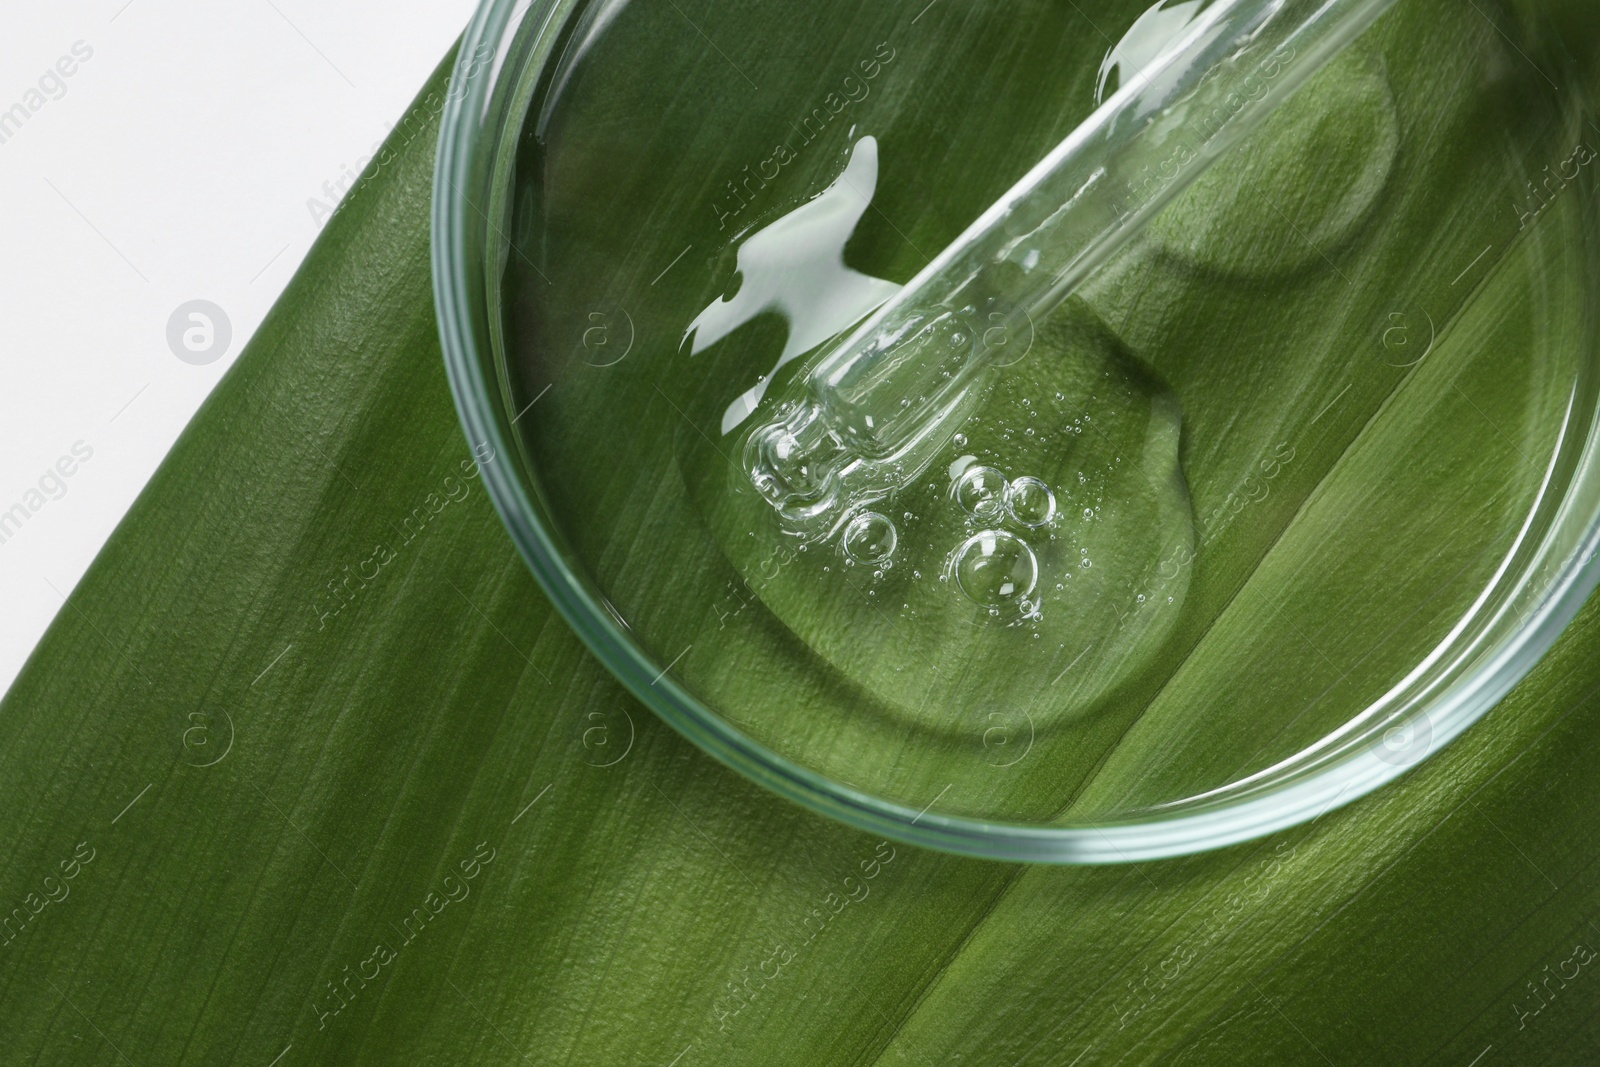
(307, 722)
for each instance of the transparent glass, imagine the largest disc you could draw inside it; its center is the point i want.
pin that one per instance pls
(1056, 527)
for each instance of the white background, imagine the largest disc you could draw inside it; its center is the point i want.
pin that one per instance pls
(175, 164)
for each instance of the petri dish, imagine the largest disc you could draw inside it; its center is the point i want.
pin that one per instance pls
(1254, 516)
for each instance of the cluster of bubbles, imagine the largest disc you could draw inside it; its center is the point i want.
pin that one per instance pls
(994, 567)
(987, 495)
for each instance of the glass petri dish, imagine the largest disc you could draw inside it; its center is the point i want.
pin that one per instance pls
(1276, 503)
